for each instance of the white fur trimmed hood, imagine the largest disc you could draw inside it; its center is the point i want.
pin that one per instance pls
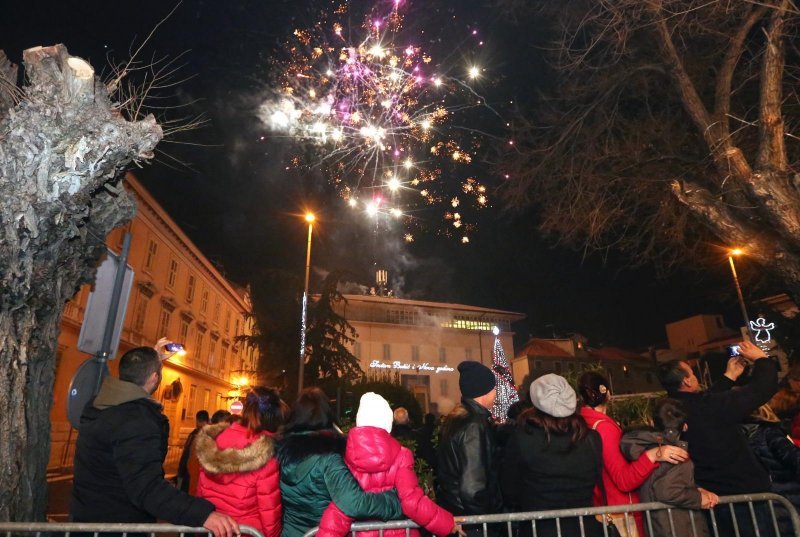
(231, 460)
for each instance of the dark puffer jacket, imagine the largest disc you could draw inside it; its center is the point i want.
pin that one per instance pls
(313, 474)
(773, 447)
(467, 476)
(119, 456)
(669, 483)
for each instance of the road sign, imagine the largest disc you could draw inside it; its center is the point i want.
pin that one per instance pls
(236, 407)
(97, 308)
(81, 388)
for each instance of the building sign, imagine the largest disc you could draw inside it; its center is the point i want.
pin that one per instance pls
(377, 364)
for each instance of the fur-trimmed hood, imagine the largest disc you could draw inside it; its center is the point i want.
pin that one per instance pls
(237, 451)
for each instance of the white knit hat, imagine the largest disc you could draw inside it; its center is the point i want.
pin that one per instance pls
(374, 411)
(553, 395)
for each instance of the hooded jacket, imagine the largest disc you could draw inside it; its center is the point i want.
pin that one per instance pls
(239, 475)
(119, 456)
(380, 463)
(669, 483)
(468, 482)
(313, 474)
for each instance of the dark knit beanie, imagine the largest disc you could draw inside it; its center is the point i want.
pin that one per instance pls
(476, 379)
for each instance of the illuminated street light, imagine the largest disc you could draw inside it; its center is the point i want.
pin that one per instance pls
(303, 314)
(731, 253)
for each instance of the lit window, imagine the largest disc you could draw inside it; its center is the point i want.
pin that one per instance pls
(189, 402)
(184, 334)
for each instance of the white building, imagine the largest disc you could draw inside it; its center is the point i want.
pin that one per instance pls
(424, 342)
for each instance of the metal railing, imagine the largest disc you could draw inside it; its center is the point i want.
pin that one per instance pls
(36, 529)
(513, 523)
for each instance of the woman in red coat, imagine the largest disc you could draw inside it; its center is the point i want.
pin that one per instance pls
(380, 463)
(621, 479)
(238, 470)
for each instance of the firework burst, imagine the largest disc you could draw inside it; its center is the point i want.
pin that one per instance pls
(379, 115)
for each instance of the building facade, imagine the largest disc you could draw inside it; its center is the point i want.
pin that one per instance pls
(423, 342)
(177, 293)
(627, 372)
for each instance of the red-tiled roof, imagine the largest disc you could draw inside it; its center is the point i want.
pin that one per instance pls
(541, 347)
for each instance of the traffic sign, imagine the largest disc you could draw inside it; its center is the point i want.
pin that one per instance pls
(236, 407)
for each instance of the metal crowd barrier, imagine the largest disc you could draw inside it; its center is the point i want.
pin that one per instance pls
(511, 523)
(41, 529)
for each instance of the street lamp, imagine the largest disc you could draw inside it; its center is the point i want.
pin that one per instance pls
(303, 314)
(731, 254)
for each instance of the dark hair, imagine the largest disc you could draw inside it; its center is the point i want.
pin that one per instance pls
(430, 419)
(669, 414)
(262, 410)
(202, 415)
(593, 389)
(574, 425)
(670, 374)
(138, 364)
(311, 412)
(220, 416)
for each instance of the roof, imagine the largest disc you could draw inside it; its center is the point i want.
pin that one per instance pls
(542, 347)
(512, 315)
(615, 354)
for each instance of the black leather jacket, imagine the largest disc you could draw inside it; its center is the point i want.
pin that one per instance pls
(467, 479)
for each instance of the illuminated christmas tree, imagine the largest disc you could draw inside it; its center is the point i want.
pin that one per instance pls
(506, 391)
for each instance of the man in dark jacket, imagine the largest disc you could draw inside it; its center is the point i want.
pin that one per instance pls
(467, 478)
(724, 464)
(122, 443)
(184, 475)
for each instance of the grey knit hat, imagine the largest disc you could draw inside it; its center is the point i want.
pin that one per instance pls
(553, 395)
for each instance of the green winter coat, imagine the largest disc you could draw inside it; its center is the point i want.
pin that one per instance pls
(313, 474)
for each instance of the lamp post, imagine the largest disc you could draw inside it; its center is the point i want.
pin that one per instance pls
(310, 219)
(731, 254)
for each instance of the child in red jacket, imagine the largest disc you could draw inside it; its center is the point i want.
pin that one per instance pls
(380, 463)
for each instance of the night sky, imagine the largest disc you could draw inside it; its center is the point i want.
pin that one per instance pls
(240, 204)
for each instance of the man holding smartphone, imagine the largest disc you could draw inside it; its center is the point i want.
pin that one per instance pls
(724, 464)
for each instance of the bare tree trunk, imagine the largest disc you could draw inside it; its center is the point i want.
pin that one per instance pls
(63, 147)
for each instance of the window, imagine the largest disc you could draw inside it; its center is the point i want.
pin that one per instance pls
(415, 353)
(204, 301)
(468, 354)
(537, 364)
(212, 347)
(236, 329)
(184, 333)
(150, 258)
(163, 323)
(442, 355)
(443, 387)
(198, 347)
(173, 273)
(190, 400)
(190, 289)
(206, 399)
(223, 357)
(220, 404)
(228, 321)
(357, 349)
(557, 367)
(217, 309)
(140, 314)
(387, 351)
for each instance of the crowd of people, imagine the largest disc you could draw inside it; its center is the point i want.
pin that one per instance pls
(285, 470)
